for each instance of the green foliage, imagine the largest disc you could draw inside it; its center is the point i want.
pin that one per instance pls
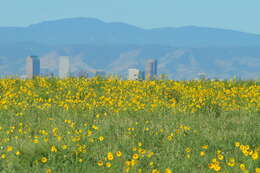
(124, 132)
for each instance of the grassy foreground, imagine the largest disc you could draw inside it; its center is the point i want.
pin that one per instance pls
(79, 125)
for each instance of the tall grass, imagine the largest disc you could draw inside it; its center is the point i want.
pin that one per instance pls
(107, 125)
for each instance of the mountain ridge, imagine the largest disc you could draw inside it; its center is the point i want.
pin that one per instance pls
(182, 52)
(95, 31)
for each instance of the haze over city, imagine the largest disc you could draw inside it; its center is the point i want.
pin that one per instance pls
(217, 38)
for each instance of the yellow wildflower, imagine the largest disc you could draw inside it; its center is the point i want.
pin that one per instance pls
(205, 146)
(169, 138)
(64, 147)
(118, 154)
(188, 150)
(44, 159)
(101, 138)
(202, 153)
(242, 166)
(168, 170)
(110, 156)
(100, 163)
(255, 156)
(237, 144)
(220, 157)
(53, 149)
(48, 170)
(155, 171)
(135, 156)
(9, 148)
(108, 164)
(3, 156)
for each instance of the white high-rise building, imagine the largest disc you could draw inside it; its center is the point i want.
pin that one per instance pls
(32, 67)
(151, 69)
(64, 66)
(134, 74)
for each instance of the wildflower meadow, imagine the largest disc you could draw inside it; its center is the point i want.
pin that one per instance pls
(51, 125)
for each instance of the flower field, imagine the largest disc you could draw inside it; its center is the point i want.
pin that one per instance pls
(108, 125)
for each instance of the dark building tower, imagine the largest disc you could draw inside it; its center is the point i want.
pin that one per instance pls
(151, 69)
(32, 67)
(155, 68)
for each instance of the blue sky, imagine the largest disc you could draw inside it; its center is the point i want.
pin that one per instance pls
(242, 15)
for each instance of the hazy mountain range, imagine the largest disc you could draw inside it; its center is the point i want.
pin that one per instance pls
(182, 52)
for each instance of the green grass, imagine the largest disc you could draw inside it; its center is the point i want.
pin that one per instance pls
(150, 129)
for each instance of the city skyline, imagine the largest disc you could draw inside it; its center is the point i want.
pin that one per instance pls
(33, 69)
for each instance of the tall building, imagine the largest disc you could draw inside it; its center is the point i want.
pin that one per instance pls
(32, 67)
(142, 75)
(151, 69)
(134, 74)
(64, 66)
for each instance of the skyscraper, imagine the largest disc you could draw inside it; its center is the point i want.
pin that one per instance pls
(64, 66)
(151, 69)
(32, 67)
(134, 74)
